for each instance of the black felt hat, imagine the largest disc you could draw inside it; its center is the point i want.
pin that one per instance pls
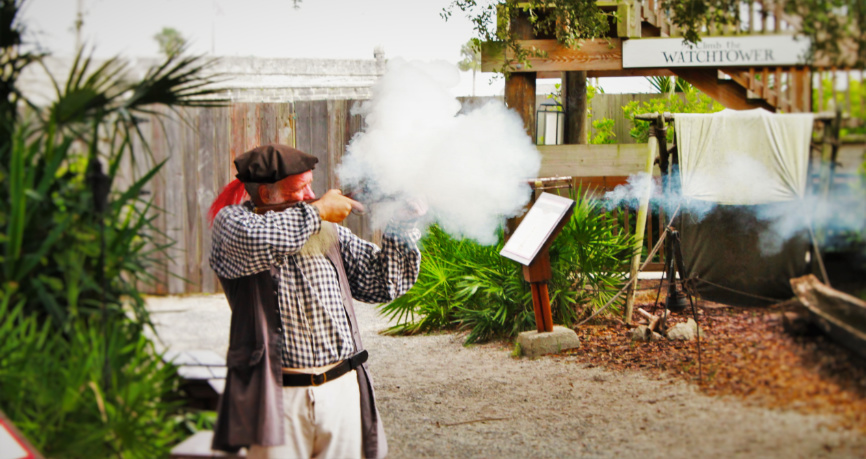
(272, 163)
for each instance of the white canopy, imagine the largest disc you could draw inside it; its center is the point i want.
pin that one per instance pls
(743, 157)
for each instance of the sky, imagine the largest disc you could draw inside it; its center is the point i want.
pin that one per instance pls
(330, 29)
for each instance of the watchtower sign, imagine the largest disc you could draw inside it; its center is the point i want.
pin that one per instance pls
(741, 51)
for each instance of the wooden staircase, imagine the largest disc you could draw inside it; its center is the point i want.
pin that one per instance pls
(786, 89)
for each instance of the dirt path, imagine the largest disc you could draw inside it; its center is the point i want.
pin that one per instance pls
(441, 399)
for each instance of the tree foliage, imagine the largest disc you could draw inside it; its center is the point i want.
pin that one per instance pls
(170, 41)
(832, 25)
(471, 54)
(569, 21)
(665, 85)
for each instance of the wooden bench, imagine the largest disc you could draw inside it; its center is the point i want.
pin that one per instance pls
(204, 376)
(198, 447)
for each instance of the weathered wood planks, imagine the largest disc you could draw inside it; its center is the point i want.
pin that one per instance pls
(598, 54)
(593, 160)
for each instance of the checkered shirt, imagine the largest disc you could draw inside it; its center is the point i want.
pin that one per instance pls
(315, 327)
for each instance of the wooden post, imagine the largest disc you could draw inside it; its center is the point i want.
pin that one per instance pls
(628, 19)
(819, 78)
(574, 98)
(538, 273)
(520, 86)
(830, 149)
(641, 227)
(520, 97)
(536, 304)
(547, 315)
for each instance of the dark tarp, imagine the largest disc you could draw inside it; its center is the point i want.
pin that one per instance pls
(732, 247)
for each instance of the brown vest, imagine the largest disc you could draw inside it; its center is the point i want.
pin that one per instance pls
(251, 408)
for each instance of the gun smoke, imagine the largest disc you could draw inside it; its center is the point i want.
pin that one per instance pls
(470, 168)
(840, 213)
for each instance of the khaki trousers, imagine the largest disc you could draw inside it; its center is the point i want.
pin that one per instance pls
(320, 422)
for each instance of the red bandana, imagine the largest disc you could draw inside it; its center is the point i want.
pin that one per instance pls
(234, 193)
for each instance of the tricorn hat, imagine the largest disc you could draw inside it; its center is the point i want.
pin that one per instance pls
(272, 163)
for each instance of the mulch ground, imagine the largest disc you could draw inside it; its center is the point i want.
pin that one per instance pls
(746, 353)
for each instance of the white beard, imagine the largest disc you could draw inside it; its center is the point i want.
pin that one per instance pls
(321, 242)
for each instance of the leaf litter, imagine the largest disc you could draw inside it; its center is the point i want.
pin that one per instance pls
(746, 353)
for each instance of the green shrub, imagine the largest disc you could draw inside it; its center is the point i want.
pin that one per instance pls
(61, 255)
(691, 100)
(77, 374)
(858, 110)
(603, 129)
(56, 392)
(469, 286)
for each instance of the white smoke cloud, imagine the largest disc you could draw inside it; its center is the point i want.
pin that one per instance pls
(629, 195)
(470, 168)
(841, 213)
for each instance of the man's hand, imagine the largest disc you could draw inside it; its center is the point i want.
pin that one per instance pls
(334, 207)
(411, 210)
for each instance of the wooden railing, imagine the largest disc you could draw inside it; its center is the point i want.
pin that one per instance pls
(755, 17)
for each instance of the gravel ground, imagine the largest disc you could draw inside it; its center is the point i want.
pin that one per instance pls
(441, 399)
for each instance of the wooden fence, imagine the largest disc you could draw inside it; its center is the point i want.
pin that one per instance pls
(198, 146)
(610, 106)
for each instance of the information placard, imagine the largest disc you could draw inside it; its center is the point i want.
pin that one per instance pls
(536, 228)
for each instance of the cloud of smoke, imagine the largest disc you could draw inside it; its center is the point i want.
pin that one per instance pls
(629, 194)
(836, 219)
(841, 213)
(470, 168)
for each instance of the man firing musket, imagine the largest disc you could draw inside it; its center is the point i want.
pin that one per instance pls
(297, 384)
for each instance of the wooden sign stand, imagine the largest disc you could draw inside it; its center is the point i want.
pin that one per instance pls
(542, 228)
(538, 274)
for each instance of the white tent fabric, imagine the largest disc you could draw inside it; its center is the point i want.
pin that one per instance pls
(743, 157)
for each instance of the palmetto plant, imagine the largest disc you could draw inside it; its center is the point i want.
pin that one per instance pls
(77, 374)
(52, 388)
(53, 238)
(667, 85)
(466, 285)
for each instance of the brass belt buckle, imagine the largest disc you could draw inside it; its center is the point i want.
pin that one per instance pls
(313, 379)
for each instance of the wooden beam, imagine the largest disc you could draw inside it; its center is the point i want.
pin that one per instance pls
(599, 54)
(628, 19)
(593, 160)
(629, 72)
(728, 93)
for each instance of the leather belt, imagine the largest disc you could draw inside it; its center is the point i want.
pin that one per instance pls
(301, 379)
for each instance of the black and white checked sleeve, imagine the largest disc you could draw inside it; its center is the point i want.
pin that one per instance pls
(245, 243)
(379, 275)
